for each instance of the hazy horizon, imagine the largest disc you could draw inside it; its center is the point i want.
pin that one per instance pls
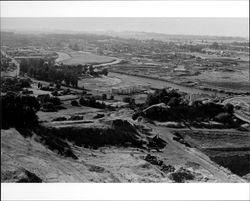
(233, 27)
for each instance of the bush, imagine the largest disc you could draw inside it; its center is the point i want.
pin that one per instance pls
(174, 101)
(91, 102)
(104, 96)
(98, 116)
(19, 110)
(76, 117)
(169, 105)
(49, 107)
(55, 93)
(82, 101)
(224, 118)
(60, 119)
(47, 88)
(128, 100)
(161, 96)
(25, 83)
(74, 103)
(111, 97)
(182, 175)
(14, 84)
(229, 108)
(55, 100)
(26, 91)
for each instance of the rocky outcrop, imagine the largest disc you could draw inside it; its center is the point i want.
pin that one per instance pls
(116, 132)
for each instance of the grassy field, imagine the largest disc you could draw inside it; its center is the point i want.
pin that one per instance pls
(75, 58)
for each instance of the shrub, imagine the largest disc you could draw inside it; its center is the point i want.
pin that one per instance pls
(229, 108)
(76, 117)
(14, 84)
(55, 93)
(47, 88)
(25, 83)
(128, 100)
(98, 116)
(55, 100)
(161, 96)
(19, 110)
(104, 96)
(49, 107)
(224, 118)
(60, 119)
(174, 101)
(182, 175)
(82, 101)
(26, 91)
(74, 103)
(91, 102)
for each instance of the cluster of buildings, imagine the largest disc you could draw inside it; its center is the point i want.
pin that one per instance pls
(124, 90)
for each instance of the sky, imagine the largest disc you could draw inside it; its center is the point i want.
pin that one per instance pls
(186, 26)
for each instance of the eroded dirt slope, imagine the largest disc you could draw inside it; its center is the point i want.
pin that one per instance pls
(29, 158)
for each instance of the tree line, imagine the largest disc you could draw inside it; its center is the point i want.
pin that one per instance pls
(58, 73)
(48, 71)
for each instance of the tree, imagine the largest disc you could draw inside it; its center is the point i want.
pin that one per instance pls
(74, 103)
(161, 96)
(19, 110)
(215, 45)
(91, 70)
(104, 96)
(31, 72)
(55, 100)
(105, 71)
(24, 66)
(229, 108)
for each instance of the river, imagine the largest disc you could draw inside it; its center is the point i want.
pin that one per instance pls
(159, 84)
(116, 61)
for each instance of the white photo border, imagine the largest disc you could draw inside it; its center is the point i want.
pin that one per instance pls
(83, 191)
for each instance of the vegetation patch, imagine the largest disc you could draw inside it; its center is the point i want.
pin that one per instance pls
(182, 175)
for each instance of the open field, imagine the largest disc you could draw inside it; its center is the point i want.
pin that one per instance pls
(99, 83)
(75, 58)
(238, 80)
(62, 56)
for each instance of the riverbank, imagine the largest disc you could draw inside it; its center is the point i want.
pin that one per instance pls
(181, 87)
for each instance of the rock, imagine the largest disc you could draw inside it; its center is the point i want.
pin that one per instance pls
(20, 175)
(167, 168)
(156, 161)
(182, 175)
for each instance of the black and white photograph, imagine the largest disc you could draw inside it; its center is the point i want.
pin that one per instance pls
(124, 99)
